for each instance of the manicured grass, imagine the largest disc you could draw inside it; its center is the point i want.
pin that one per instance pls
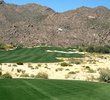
(34, 55)
(42, 89)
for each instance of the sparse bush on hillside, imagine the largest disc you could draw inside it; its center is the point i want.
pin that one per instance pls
(6, 75)
(42, 75)
(104, 75)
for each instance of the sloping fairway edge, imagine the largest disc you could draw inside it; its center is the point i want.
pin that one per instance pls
(35, 55)
(42, 89)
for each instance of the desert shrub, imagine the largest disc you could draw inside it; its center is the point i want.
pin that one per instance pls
(12, 69)
(23, 71)
(19, 63)
(42, 75)
(64, 64)
(14, 65)
(104, 75)
(16, 74)
(6, 75)
(67, 69)
(87, 67)
(91, 71)
(59, 69)
(32, 75)
(31, 67)
(76, 61)
(91, 78)
(39, 65)
(45, 67)
(0, 69)
(80, 49)
(36, 67)
(9, 65)
(90, 48)
(67, 76)
(72, 72)
(0, 73)
(24, 75)
(19, 70)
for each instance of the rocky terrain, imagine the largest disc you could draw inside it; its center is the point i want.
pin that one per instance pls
(33, 25)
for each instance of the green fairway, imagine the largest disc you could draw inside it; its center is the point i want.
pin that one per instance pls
(35, 55)
(40, 89)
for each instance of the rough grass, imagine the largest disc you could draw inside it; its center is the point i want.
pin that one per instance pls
(43, 89)
(34, 55)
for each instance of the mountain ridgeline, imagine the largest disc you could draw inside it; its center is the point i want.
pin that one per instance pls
(33, 24)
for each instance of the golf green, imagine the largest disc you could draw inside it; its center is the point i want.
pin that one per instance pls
(42, 89)
(35, 55)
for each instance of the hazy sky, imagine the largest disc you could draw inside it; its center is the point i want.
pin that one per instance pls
(64, 5)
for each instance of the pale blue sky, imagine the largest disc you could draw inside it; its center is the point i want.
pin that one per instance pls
(64, 5)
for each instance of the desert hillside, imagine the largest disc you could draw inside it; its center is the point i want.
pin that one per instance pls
(33, 24)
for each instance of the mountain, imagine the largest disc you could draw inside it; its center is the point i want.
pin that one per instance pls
(33, 24)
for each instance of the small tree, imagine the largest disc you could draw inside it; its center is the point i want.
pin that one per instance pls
(104, 75)
(90, 48)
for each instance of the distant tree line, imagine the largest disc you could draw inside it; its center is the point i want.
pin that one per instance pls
(94, 48)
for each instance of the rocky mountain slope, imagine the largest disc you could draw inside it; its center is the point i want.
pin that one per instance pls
(33, 24)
